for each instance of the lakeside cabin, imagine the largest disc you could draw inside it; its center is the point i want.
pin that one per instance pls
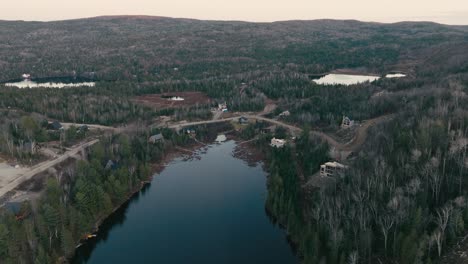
(332, 169)
(277, 143)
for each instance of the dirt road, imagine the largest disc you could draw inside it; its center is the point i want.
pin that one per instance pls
(91, 126)
(27, 175)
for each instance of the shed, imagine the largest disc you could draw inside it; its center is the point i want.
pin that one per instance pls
(156, 138)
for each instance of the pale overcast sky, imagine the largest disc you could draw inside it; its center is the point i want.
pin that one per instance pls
(443, 11)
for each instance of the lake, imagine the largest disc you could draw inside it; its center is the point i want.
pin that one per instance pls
(345, 79)
(207, 209)
(32, 84)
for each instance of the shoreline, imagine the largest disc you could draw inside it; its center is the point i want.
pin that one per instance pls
(156, 168)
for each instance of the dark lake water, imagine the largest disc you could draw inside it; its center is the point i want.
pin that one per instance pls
(204, 210)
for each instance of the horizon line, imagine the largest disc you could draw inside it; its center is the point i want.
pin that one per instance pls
(228, 20)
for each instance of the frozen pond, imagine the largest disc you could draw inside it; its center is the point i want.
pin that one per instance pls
(345, 79)
(32, 84)
(395, 75)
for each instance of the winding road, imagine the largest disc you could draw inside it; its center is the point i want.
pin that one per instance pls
(353, 145)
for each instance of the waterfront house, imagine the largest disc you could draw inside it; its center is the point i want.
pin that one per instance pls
(277, 143)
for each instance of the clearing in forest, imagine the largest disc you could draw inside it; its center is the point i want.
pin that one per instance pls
(172, 100)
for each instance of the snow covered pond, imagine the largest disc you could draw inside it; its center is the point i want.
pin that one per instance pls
(345, 79)
(32, 84)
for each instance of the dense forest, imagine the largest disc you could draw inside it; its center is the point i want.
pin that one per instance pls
(403, 199)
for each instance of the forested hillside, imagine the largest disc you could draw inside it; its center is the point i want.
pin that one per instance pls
(403, 199)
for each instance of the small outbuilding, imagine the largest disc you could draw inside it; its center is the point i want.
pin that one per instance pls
(156, 138)
(285, 113)
(347, 122)
(110, 165)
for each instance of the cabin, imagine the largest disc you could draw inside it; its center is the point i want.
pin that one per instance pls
(332, 169)
(222, 107)
(243, 120)
(347, 122)
(26, 76)
(277, 143)
(285, 113)
(55, 126)
(156, 138)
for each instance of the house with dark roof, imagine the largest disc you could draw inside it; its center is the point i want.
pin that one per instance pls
(243, 120)
(82, 129)
(155, 138)
(55, 126)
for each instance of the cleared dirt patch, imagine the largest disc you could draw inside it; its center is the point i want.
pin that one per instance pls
(162, 101)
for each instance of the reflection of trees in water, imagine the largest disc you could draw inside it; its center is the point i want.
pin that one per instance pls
(83, 254)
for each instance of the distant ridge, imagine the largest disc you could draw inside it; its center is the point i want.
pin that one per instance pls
(319, 21)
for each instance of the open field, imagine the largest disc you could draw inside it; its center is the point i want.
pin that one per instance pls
(161, 101)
